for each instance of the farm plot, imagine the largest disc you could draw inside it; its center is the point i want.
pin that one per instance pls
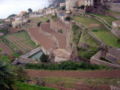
(109, 19)
(4, 48)
(100, 32)
(20, 42)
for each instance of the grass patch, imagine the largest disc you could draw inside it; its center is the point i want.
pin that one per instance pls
(24, 86)
(66, 82)
(113, 12)
(109, 19)
(86, 38)
(102, 33)
(85, 20)
(87, 53)
(20, 41)
(101, 81)
(69, 82)
(38, 19)
(107, 37)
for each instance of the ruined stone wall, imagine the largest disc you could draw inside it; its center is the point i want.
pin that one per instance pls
(66, 30)
(60, 25)
(114, 6)
(96, 60)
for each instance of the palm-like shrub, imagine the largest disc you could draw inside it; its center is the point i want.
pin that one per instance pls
(6, 76)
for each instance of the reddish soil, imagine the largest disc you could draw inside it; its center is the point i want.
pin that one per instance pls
(60, 37)
(5, 49)
(47, 42)
(77, 74)
(88, 87)
(14, 30)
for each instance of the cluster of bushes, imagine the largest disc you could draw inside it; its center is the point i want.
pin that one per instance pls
(15, 78)
(24, 86)
(76, 33)
(87, 53)
(68, 65)
(5, 31)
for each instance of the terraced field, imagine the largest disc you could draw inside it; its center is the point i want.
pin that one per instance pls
(78, 80)
(100, 31)
(109, 19)
(20, 42)
(4, 48)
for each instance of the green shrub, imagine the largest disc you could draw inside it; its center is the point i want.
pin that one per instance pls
(95, 30)
(24, 86)
(44, 58)
(60, 31)
(75, 28)
(67, 65)
(76, 34)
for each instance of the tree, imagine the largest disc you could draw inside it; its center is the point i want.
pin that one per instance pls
(38, 24)
(30, 10)
(11, 16)
(67, 18)
(44, 58)
(7, 76)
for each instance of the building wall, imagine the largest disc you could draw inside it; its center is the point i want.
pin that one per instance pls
(70, 4)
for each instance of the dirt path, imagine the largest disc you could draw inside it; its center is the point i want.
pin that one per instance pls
(76, 74)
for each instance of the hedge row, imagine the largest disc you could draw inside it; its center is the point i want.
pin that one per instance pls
(68, 65)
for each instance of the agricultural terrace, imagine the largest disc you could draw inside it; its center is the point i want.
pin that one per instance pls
(108, 19)
(98, 30)
(20, 41)
(77, 79)
(4, 48)
(38, 20)
(115, 14)
(93, 45)
(86, 38)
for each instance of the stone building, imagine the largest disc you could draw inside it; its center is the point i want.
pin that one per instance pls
(72, 4)
(18, 22)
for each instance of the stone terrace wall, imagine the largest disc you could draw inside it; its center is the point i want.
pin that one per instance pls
(57, 25)
(114, 7)
(96, 60)
(60, 25)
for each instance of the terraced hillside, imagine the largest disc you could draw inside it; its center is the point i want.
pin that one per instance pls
(4, 48)
(98, 29)
(36, 20)
(20, 42)
(78, 80)
(107, 19)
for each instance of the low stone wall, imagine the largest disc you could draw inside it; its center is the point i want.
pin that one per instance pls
(116, 33)
(96, 60)
(59, 25)
(115, 7)
(31, 52)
